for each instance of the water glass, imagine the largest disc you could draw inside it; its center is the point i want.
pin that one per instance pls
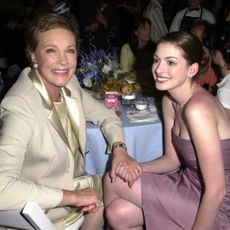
(141, 103)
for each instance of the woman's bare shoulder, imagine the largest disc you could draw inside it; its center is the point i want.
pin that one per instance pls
(202, 104)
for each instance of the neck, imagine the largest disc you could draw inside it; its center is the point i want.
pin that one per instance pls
(182, 99)
(54, 93)
(56, 98)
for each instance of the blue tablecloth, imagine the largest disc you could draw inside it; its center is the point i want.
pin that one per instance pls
(143, 140)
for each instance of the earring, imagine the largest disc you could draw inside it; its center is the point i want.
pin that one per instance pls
(35, 65)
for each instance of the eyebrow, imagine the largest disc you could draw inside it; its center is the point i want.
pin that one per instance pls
(51, 45)
(169, 57)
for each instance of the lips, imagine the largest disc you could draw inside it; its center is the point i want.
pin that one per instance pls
(161, 79)
(61, 72)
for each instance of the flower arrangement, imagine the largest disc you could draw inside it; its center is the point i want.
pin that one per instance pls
(96, 66)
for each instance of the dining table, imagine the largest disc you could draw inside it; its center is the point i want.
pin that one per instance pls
(143, 137)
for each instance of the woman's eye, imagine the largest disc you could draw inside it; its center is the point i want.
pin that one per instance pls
(155, 60)
(72, 51)
(50, 50)
(171, 63)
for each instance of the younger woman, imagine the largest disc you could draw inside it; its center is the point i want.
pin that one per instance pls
(188, 187)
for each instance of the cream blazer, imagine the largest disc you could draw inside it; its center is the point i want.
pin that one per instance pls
(36, 162)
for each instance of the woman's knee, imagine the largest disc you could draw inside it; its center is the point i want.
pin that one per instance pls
(116, 212)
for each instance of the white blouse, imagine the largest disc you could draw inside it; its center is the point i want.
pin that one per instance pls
(223, 91)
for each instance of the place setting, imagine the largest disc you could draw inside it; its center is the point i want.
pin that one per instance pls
(142, 109)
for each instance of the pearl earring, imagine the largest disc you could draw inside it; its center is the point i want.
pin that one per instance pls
(35, 65)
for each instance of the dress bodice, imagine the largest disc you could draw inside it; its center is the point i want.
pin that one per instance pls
(186, 151)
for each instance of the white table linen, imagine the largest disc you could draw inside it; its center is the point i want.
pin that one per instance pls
(143, 140)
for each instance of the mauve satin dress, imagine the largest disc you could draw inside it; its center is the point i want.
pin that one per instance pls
(170, 202)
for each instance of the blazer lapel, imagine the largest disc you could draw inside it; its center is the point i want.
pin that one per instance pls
(76, 117)
(48, 104)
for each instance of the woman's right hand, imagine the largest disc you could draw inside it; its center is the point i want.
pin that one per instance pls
(86, 199)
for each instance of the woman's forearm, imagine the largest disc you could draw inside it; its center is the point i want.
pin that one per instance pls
(86, 199)
(207, 210)
(161, 165)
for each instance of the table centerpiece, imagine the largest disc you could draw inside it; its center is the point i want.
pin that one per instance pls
(96, 67)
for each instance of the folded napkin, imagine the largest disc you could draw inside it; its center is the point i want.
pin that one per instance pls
(142, 116)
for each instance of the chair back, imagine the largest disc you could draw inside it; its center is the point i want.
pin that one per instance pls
(30, 217)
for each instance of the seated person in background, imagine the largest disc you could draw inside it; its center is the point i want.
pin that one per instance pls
(221, 57)
(202, 29)
(43, 132)
(140, 40)
(188, 187)
(184, 18)
(137, 54)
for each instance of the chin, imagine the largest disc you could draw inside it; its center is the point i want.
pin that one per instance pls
(160, 87)
(63, 81)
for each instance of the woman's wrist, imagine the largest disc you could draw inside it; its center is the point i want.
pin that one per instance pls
(69, 198)
(119, 145)
(119, 149)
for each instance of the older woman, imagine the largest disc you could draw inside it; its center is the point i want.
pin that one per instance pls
(43, 132)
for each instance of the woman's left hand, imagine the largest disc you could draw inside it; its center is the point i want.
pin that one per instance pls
(125, 167)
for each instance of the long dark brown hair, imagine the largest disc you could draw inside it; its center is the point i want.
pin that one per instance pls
(140, 21)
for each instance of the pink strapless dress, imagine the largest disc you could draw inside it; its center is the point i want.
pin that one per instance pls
(170, 202)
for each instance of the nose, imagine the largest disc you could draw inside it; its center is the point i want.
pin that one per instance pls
(157, 67)
(62, 58)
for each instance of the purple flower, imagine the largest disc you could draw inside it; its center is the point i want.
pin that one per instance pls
(94, 67)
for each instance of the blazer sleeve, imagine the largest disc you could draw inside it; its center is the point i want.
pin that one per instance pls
(106, 119)
(17, 126)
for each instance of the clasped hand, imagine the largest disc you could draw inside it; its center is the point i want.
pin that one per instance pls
(126, 168)
(86, 199)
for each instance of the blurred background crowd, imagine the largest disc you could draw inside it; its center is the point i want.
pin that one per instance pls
(130, 27)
